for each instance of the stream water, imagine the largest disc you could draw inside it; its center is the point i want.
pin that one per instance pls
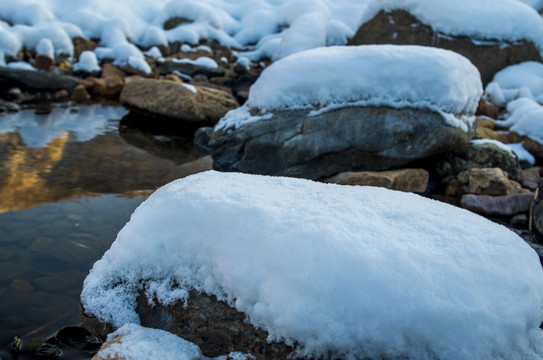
(69, 181)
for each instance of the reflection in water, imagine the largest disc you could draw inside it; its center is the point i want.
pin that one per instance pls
(55, 217)
(66, 167)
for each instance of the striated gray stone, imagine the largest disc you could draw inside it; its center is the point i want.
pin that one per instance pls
(292, 143)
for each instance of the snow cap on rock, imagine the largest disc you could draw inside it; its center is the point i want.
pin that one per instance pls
(368, 75)
(509, 20)
(87, 63)
(362, 271)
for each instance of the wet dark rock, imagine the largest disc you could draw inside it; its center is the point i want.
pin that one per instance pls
(291, 143)
(35, 81)
(93, 325)
(519, 220)
(169, 67)
(209, 323)
(175, 101)
(401, 28)
(70, 342)
(497, 205)
(481, 156)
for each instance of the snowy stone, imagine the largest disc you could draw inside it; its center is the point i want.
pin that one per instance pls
(370, 108)
(45, 48)
(31, 36)
(482, 19)
(154, 52)
(133, 342)
(394, 76)
(203, 61)
(524, 118)
(425, 286)
(517, 81)
(87, 63)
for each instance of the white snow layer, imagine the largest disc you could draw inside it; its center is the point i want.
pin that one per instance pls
(268, 28)
(368, 75)
(519, 88)
(524, 80)
(524, 117)
(87, 63)
(139, 343)
(479, 19)
(357, 271)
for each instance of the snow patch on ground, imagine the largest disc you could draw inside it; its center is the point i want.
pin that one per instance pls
(355, 265)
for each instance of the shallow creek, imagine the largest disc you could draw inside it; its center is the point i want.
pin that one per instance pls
(69, 181)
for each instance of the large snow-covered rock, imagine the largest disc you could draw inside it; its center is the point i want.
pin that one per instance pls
(328, 110)
(491, 33)
(342, 271)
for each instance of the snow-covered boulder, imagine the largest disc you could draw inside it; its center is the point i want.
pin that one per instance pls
(491, 33)
(339, 271)
(335, 109)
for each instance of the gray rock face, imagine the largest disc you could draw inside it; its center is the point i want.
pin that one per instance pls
(292, 143)
(35, 81)
(400, 27)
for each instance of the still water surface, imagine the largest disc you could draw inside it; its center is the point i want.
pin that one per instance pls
(69, 181)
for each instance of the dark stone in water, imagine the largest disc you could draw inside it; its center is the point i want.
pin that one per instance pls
(35, 81)
(70, 342)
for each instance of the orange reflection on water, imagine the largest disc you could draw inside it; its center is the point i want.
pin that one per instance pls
(66, 168)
